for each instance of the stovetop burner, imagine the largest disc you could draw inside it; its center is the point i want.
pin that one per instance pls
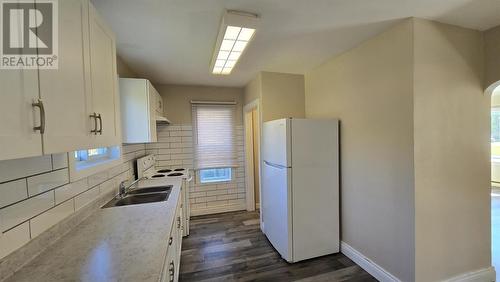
(158, 175)
(179, 169)
(164, 170)
(175, 174)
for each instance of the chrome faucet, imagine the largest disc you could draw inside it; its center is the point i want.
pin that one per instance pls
(123, 190)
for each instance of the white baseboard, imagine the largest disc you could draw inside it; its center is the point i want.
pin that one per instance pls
(371, 267)
(219, 209)
(482, 275)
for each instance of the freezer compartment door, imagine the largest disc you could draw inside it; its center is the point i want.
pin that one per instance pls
(276, 209)
(276, 147)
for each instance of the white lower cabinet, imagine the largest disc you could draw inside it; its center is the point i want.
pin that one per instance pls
(171, 266)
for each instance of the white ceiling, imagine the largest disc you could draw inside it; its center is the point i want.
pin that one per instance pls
(171, 41)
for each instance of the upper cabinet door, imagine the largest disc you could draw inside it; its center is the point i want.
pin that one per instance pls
(64, 90)
(153, 105)
(105, 100)
(19, 89)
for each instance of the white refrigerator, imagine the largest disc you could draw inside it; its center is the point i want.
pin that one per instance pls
(300, 187)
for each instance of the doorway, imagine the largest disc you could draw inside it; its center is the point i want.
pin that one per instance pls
(252, 122)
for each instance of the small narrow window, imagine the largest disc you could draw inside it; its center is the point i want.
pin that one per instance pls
(83, 163)
(215, 175)
(91, 154)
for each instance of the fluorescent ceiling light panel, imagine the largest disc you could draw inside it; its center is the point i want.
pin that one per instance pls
(232, 32)
(234, 56)
(236, 31)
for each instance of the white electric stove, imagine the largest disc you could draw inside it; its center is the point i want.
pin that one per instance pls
(146, 167)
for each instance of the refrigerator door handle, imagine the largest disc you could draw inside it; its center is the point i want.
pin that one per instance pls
(274, 165)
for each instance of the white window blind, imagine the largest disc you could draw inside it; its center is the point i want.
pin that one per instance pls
(214, 136)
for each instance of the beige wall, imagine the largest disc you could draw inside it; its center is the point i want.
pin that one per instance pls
(253, 89)
(415, 148)
(177, 100)
(452, 162)
(492, 56)
(282, 95)
(369, 89)
(123, 69)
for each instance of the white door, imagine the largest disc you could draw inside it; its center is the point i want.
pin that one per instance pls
(276, 200)
(276, 142)
(64, 91)
(105, 101)
(19, 89)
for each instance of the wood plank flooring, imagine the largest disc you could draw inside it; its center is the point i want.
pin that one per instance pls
(231, 247)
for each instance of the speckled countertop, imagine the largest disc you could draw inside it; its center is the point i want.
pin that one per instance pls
(115, 244)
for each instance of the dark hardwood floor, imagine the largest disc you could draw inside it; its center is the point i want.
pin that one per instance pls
(231, 247)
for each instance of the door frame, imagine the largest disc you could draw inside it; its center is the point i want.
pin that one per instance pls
(249, 154)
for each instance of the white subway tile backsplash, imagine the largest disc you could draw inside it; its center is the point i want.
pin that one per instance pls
(227, 197)
(196, 206)
(18, 168)
(197, 194)
(216, 192)
(59, 161)
(217, 203)
(12, 192)
(175, 148)
(19, 212)
(132, 148)
(70, 190)
(86, 198)
(98, 178)
(40, 183)
(22, 211)
(237, 202)
(14, 239)
(108, 186)
(47, 219)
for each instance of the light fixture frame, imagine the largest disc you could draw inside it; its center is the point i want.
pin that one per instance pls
(233, 18)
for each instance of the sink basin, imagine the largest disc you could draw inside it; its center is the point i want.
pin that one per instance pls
(150, 190)
(137, 199)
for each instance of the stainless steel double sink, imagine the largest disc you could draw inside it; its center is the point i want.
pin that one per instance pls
(141, 196)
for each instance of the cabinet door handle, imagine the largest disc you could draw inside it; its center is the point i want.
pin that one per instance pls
(178, 222)
(172, 271)
(94, 116)
(100, 124)
(170, 240)
(39, 105)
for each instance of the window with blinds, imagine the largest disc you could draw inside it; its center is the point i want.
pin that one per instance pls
(214, 136)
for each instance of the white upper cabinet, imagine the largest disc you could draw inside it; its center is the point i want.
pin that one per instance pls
(75, 106)
(104, 79)
(139, 110)
(65, 91)
(18, 91)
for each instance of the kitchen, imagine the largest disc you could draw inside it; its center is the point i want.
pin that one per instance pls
(131, 155)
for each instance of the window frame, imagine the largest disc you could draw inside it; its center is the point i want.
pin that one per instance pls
(80, 165)
(215, 181)
(204, 151)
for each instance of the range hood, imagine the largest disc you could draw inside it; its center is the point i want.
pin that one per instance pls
(162, 120)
